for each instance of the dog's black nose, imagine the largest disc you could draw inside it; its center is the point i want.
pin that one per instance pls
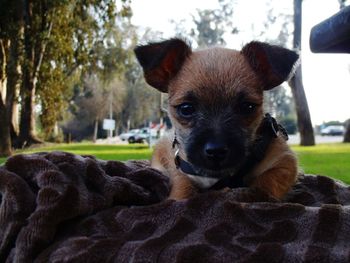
(216, 151)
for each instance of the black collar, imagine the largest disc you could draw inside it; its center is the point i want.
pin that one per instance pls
(268, 130)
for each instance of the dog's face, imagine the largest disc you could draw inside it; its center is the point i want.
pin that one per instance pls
(215, 97)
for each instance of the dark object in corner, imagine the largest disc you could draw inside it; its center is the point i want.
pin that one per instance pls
(333, 34)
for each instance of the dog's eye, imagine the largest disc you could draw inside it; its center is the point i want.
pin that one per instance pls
(186, 110)
(247, 107)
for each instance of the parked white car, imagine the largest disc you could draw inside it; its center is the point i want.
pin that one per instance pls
(129, 136)
(333, 130)
(135, 135)
(143, 135)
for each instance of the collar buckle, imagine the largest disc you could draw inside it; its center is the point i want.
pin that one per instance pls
(274, 127)
(177, 159)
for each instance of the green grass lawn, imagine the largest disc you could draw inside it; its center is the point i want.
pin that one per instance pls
(325, 159)
(105, 152)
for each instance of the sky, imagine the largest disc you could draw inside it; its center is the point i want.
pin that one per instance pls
(326, 77)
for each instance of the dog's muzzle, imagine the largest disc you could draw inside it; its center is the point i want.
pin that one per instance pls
(268, 130)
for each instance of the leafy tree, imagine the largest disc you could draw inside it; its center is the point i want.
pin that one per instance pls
(209, 25)
(115, 77)
(91, 104)
(85, 54)
(278, 101)
(329, 123)
(284, 38)
(43, 44)
(10, 59)
(209, 28)
(142, 103)
(105, 56)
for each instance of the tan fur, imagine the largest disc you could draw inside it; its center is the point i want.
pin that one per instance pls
(223, 73)
(163, 160)
(202, 68)
(275, 174)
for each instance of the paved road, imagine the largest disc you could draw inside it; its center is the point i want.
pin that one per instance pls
(295, 139)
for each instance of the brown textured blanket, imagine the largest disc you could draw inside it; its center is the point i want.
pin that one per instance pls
(60, 207)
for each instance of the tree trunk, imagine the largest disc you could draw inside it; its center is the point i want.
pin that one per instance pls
(13, 84)
(347, 132)
(27, 119)
(3, 64)
(347, 126)
(5, 138)
(94, 139)
(14, 115)
(307, 137)
(33, 56)
(27, 135)
(306, 131)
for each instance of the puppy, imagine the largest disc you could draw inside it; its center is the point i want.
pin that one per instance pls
(221, 137)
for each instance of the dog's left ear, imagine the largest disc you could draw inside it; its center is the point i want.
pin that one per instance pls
(273, 64)
(162, 61)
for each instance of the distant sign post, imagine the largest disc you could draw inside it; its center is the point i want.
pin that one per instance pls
(109, 125)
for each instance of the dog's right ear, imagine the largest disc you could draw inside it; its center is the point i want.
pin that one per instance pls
(162, 61)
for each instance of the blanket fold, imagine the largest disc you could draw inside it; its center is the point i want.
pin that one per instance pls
(61, 207)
